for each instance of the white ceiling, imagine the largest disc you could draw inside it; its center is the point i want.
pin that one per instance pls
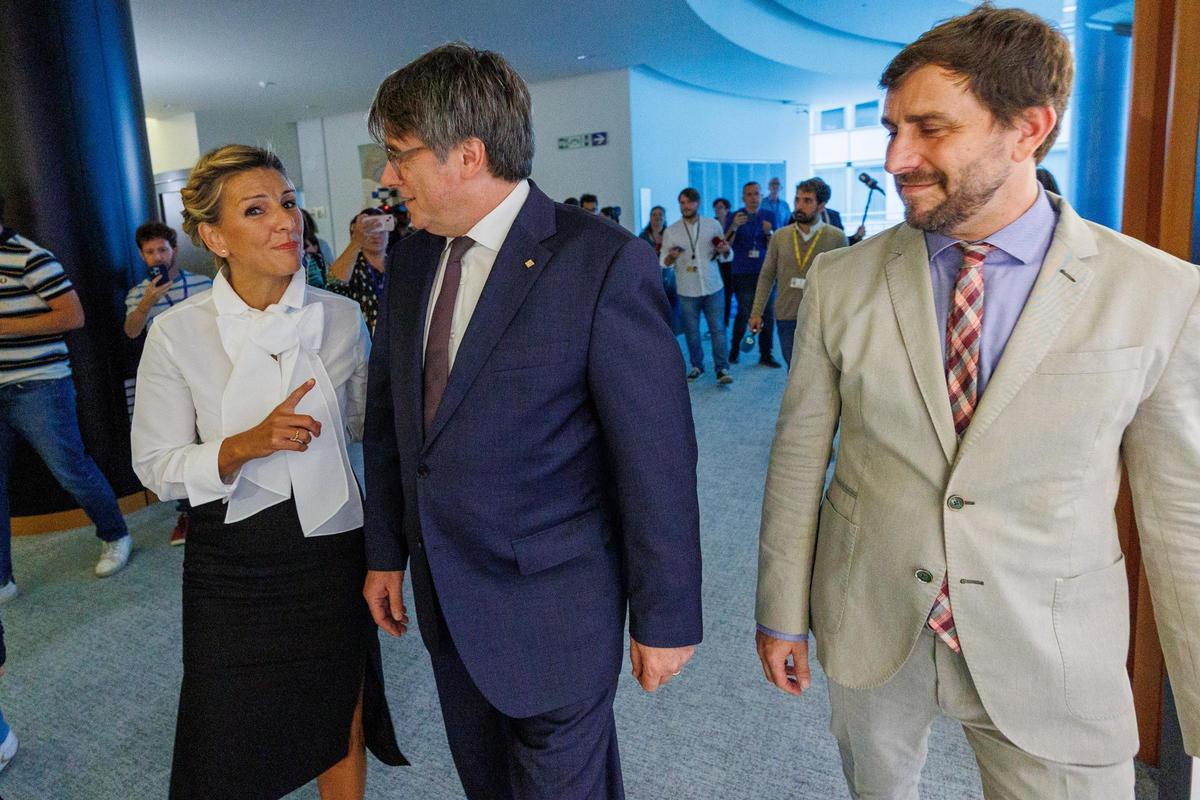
(325, 57)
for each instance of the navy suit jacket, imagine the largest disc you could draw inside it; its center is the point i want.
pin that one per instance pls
(556, 486)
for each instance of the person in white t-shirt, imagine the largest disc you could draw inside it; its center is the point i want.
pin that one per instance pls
(691, 246)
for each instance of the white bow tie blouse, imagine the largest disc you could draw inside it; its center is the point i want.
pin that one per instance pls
(213, 367)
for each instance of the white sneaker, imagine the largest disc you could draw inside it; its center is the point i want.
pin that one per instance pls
(8, 591)
(113, 556)
(8, 749)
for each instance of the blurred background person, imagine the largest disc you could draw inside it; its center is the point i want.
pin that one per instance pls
(315, 262)
(165, 285)
(776, 204)
(721, 209)
(361, 270)
(748, 233)
(38, 305)
(589, 202)
(247, 399)
(791, 252)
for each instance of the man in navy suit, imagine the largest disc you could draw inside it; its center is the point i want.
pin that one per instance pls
(529, 450)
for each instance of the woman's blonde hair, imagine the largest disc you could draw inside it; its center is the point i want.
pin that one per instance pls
(202, 195)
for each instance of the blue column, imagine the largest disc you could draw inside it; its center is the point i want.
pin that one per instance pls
(1100, 117)
(75, 170)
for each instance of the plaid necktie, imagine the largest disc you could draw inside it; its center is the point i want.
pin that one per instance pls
(437, 344)
(964, 327)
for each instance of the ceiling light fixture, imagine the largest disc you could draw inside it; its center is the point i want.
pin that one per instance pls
(580, 58)
(265, 84)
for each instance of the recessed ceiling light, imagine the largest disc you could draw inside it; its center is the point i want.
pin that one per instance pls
(265, 84)
(580, 58)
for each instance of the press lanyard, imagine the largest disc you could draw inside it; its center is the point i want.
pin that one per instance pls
(167, 296)
(692, 241)
(808, 253)
(375, 277)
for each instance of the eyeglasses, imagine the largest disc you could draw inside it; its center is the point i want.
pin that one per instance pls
(398, 158)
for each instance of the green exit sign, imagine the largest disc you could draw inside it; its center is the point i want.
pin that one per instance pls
(580, 140)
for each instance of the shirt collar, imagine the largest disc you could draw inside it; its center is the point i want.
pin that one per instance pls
(6, 234)
(227, 301)
(1024, 238)
(492, 230)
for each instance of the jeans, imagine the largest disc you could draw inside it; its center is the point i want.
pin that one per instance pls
(710, 305)
(787, 335)
(43, 414)
(744, 287)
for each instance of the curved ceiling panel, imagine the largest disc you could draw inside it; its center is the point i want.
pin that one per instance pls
(878, 19)
(774, 32)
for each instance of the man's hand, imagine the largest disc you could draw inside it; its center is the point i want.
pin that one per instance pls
(654, 666)
(861, 232)
(672, 255)
(385, 598)
(756, 323)
(739, 219)
(766, 226)
(793, 678)
(154, 293)
(722, 247)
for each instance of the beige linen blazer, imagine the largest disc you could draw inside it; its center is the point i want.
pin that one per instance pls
(1104, 363)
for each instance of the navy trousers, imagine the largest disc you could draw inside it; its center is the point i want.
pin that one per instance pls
(566, 754)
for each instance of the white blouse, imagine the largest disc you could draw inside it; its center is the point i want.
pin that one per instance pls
(214, 367)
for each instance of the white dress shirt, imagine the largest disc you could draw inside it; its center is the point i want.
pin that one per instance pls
(488, 234)
(812, 230)
(696, 271)
(214, 367)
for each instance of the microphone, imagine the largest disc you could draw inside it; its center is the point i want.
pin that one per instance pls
(871, 183)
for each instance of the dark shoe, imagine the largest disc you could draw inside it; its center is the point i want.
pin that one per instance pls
(179, 535)
(767, 361)
(723, 377)
(695, 373)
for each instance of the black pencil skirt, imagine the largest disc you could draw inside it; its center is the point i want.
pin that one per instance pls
(277, 644)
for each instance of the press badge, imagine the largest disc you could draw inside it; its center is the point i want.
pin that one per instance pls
(752, 254)
(799, 283)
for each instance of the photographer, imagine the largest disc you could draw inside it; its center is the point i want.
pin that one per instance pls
(358, 273)
(165, 284)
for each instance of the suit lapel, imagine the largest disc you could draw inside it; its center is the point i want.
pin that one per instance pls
(506, 288)
(911, 290)
(1062, 282)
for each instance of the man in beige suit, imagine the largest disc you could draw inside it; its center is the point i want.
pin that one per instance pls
(991, 363)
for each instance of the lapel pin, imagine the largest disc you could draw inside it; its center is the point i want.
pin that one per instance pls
(529, 264)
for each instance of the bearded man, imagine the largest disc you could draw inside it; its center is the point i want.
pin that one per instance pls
(991, 363)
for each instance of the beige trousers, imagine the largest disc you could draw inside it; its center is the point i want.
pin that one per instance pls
(883, 734)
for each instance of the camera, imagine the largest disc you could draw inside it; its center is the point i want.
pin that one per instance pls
(160, 275)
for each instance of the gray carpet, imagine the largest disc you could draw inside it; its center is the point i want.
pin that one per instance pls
(94, 669)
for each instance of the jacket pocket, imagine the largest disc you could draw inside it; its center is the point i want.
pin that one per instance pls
(533, 355)
(1095, 361)
(561, 543)
(836, 539)
(1091, 623)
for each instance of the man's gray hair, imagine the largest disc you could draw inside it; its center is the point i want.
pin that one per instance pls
(453, 93)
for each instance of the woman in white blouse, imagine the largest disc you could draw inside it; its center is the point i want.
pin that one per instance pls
(246, 397)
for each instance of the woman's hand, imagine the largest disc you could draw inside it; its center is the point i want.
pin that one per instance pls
(283, 429)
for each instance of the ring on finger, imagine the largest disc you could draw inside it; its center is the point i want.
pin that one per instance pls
(295, 437)
(676, 674)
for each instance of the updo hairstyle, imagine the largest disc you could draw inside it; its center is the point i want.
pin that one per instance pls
(202, 195)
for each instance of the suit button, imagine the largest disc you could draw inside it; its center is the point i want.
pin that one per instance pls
(955, 502)
(423, 471)
(924, 575)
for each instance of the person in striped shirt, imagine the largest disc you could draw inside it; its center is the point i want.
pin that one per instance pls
(165, 285)
(38, 305)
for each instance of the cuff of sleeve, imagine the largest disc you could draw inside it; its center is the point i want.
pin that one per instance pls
(202, 476)
(787, 637)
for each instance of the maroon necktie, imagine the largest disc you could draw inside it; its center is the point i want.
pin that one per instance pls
(437, 345)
